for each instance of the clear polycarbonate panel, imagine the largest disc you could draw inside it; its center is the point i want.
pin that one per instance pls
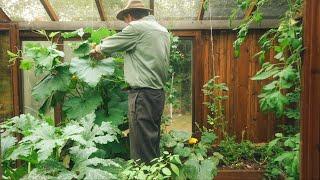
(218, 9)
(275, 9)
(112, 7)
(30, 105)
(178, 115)
(68, 47)
(76, 10)
(24, 10)
(176, 9)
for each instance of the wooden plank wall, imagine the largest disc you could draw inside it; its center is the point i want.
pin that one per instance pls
(242, 108)
(310, 123)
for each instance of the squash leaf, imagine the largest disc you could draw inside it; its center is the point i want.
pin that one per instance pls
(77, 107)
(58, 80)
(91, 71)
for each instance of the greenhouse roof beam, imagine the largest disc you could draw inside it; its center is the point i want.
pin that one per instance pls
(100, 7)
(251, 9)
(201, 12)
(3, 16)
(172, 25)
(48, 7)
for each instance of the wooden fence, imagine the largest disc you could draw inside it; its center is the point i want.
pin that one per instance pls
(242, 107)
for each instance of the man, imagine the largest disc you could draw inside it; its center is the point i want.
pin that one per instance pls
(147, 47)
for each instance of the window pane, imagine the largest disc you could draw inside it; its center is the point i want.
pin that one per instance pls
(24, 10)
(176, 9)
(181, 110)
(76, 10)
(29, 81)
(112, 7)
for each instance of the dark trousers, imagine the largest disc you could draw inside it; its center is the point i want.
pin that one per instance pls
(145, 111)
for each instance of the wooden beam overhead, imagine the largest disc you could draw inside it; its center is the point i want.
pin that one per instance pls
(3, 16)
(201, 12)
(100, 7)
(172, 25)
(152, 6)
(48, 7)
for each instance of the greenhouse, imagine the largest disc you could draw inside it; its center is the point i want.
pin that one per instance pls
(160, 89)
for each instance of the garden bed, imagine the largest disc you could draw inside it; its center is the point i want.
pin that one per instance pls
(240, 174)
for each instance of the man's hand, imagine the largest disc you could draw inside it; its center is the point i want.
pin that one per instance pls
(96, 53)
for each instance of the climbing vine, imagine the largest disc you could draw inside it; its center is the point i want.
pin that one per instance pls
(282, 94)
(283, 72)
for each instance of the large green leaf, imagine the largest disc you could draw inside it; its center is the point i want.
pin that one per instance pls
(44, 140)
(91, 71)
(7, 142)
(180, 136)
(116, 116)
(78, 107)
(58, 80)
(88, 134)
(83, 49)
(98, 35)
(83, 164)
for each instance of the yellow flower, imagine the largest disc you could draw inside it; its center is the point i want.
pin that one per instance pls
(193, 140)
(74, 77)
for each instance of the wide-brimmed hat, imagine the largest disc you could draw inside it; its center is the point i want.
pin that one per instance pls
(132, 5)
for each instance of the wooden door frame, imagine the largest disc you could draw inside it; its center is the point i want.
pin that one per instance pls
(310, 125)
(197, 76)
(15, 71)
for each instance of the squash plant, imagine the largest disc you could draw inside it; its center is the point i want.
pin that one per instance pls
(93, 104)
(82, 84)
(49, 152)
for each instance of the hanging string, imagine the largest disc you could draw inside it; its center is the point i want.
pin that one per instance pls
(92, 18)
(211, 38)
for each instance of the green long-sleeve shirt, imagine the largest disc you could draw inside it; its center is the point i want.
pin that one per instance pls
(147, 47)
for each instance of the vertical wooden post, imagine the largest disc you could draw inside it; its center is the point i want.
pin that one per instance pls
(310, 123)
(152, 6)
(58, 108)
(15, 73)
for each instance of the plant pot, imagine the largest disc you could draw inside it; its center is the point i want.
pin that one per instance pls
(240, 175)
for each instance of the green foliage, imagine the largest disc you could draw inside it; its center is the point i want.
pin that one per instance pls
(234, 152)
(197, 163)
(164, 167)
(195, 169)
(81, 85)
(77, 107)
(49, 151)
(215, 93)
(57, 81)
(282, 94)
(91, 71)
(284, 156)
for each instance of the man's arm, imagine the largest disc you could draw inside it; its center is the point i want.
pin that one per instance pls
(123, 41)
